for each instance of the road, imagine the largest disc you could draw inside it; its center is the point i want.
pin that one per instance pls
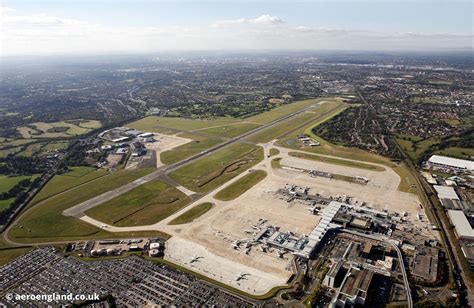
(79, 209)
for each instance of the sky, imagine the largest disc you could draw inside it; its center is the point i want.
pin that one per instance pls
(40, 27)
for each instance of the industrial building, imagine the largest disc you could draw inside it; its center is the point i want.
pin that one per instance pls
(446, 192)
(462, 227)
(455, 164)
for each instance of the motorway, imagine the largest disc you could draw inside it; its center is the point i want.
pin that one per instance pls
(79, 209)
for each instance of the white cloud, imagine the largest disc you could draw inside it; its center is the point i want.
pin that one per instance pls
(46, 34)
(264, 20)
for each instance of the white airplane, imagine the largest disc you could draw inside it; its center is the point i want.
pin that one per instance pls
(241, 276)
(195, 259)
(104, 226)
(313, 210)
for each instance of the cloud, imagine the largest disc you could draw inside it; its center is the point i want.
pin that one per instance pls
(6, 9)
(43, 33)
(263, 20)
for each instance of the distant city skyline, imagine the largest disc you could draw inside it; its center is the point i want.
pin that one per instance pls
(101, 27)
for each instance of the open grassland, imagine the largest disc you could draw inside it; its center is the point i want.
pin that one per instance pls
(217, 168)
(5, 204)
(11, 253)
(231, 130)
(276, 162)
(284, 110)
(408, 180)
(15, 142)
(414, 146)
(59, 183)
(45, 222)
(274, 151)
(199, 144)
(280, 129)
(336, 161)
(58, 129)
(155, 124)
(241, 185)
(7, 182)
(463, 153)
(6, 152)
(144, 205)
(191, 214)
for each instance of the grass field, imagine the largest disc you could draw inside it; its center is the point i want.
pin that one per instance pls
(241, 185)
(199, 144)
(274, 151)
(7, 182)
(315, 113)
(276, 163)
(45, 221)
(336, 161)
(10, 253)
(230, 131)
(156, 124)
(282, 128)
(60, 183)
(415, 147)
(65, 129)
(463, 153)
(284, 110)
(407, 179)
(192, 214)
(217, 168)
(5, 204)
(144, 205)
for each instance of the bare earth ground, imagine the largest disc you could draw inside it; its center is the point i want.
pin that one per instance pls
(211, 235)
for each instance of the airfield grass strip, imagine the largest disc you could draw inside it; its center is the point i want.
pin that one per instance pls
(337, 161)
(240, 186)
(191, 214)
(144, 207)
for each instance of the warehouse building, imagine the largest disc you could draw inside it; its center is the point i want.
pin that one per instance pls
(462, 226)
(446, 192)
(454, 164)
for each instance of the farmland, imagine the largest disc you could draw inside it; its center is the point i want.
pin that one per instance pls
(58, 129)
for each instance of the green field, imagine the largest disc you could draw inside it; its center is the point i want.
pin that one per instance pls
(63, 182)
(414, 146)
(58, 129)
(156, 124)
(463, 153)
(192, 214)
(315, 113)
(336, 161)
(240, 186)
(274, 151)
(7, 182)
(230, 131)
(8, 254)
(144, 205)
(45, 222)
(284, 110)
(280, 129)
(217, 168)
(199, 144)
